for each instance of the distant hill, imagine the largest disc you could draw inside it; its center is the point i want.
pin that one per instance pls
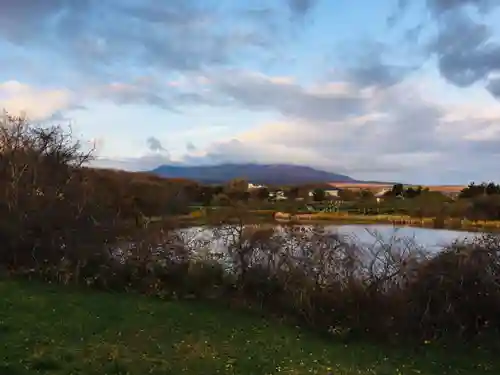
(270, 174)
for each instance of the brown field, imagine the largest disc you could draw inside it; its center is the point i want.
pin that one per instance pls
(359, 186)
(377, 187)
(447, 188)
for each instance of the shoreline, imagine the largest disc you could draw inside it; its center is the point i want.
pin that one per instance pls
(265, 216)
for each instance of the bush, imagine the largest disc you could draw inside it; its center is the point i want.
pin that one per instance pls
(388, 291)
(458, 290)
(47, 208)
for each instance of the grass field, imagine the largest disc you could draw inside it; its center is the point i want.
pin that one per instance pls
(54, 330)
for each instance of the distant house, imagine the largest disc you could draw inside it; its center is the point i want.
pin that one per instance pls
(278, 195)
(256, 186)
(381, 194)
(330, 192)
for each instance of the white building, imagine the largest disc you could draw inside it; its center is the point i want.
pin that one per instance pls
(254, 186)
(331, 192)
(382, 193)
(278, 195)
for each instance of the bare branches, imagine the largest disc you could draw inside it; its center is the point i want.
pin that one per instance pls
(47, 205)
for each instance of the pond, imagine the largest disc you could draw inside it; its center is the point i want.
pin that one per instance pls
(430, 239)
(369, 235)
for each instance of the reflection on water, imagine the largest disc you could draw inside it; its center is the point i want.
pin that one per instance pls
(430, 239)
(366, 235)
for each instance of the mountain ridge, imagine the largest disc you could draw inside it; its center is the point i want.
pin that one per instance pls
(271, 174)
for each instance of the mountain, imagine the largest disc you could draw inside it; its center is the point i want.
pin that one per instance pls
(270, 174)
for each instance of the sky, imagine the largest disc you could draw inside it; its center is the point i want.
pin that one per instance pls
(390, 90)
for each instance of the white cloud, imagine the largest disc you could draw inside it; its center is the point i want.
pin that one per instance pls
(37, 103)
(144, 163)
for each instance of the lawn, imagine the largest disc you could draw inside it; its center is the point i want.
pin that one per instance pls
(56, 330)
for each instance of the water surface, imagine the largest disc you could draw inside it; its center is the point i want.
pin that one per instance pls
(369, 235)
(430, 239)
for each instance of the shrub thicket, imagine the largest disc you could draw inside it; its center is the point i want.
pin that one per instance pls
(62, 222)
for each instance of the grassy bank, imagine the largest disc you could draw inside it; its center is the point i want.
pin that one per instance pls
(198, 218)
(408, 220)
(53, 330)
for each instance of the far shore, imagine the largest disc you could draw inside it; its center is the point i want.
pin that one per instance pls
(266, 216)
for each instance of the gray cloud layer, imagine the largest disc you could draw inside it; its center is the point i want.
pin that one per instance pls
(463, 44)
(180, 35)
(191, 35)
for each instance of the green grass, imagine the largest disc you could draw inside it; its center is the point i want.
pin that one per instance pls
(56, 330)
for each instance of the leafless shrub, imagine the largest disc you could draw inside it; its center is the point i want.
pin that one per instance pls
(50, 213)
(391, 288)
(458, 290)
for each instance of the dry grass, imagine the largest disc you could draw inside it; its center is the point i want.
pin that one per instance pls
(397, 220)
(377, 187)
(446, 188)
(359, 186)
(344, 217)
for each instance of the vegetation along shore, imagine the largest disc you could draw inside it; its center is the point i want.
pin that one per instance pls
(201, 218)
